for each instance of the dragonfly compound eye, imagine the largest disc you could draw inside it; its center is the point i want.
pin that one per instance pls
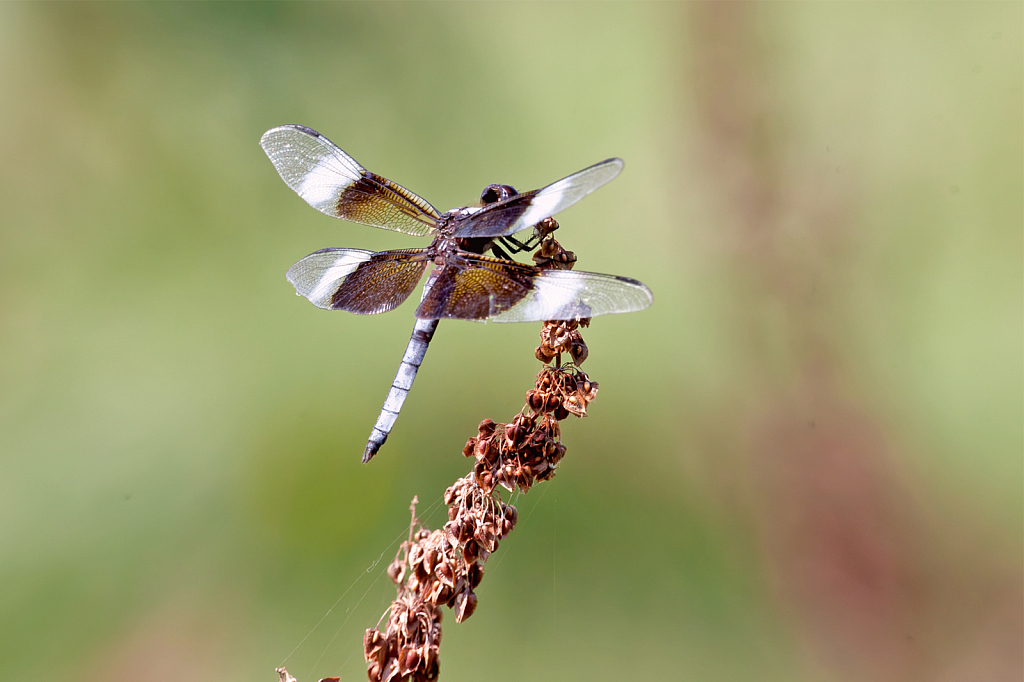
(495, 193)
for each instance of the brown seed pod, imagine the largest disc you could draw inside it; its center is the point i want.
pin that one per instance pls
(465, 605)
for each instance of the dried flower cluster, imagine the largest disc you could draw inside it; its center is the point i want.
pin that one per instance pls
(550, 253)
(434, 568)
(562, 390)
(515, 455)
(528, 450)
(562, 337)
(409, 649)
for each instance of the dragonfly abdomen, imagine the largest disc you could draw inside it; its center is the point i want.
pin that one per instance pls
(406, 374)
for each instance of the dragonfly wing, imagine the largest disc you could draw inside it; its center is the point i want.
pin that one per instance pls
(470, 287)
(357, 280)
(333, 183)
(473, 287)
(529, 208)
(568, 294)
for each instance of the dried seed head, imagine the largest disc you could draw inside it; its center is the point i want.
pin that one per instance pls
(411, 644)
(474, 575)
(578, 350)
(559, 336)
(411, 661)
(396, 571)
(550, 254)
(544, 354)
(465, 605)
(486, 428)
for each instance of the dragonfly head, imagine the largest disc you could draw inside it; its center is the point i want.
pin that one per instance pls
(495, 193)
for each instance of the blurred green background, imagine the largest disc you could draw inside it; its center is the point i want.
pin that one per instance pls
(805, 462)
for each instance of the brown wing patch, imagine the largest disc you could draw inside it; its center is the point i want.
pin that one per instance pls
(471, 287)
(375, 200)
(381, 283)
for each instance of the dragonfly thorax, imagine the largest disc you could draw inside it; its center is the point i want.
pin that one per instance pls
(449, 219)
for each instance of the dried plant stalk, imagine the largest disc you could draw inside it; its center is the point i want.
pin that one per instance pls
(443, 567)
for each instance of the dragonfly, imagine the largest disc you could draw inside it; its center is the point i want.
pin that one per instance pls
(465, 283)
